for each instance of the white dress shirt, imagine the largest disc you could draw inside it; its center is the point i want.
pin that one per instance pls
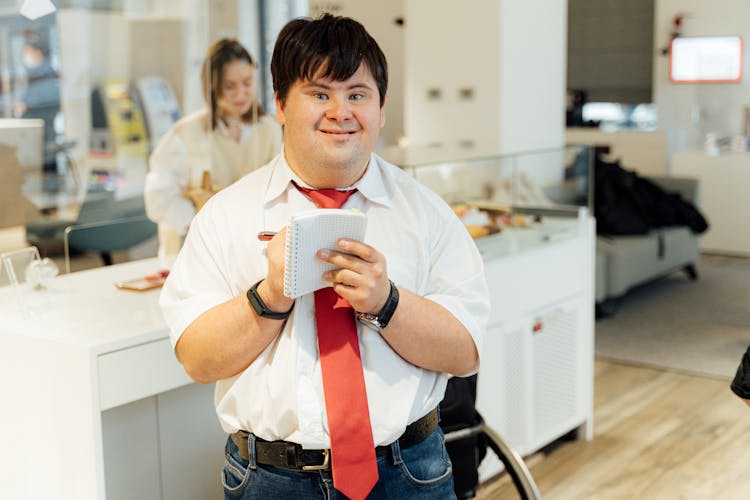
(280, 395)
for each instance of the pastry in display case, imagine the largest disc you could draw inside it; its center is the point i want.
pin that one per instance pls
(506, 201)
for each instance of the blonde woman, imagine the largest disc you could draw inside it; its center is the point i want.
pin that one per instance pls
(211, 148)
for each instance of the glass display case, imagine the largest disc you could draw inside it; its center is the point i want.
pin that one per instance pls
(530, 216)
(507, 201)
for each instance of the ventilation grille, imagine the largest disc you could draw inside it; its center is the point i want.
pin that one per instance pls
(555, 366)
(516, 388)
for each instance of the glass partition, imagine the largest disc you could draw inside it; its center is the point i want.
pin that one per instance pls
(525, 198)
(89, 91)
(556, 179)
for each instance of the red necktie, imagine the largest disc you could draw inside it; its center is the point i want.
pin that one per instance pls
(355, 468)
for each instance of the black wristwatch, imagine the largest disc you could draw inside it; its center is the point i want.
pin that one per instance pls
(379, 321)
(260, 307)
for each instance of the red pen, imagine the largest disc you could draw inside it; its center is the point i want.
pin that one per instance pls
(266, 235)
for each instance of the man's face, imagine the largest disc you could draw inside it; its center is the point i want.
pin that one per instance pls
(331, 127)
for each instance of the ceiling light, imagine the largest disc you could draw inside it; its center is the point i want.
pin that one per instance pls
(34, 9)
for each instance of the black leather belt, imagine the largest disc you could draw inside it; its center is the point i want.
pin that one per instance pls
(292, 456)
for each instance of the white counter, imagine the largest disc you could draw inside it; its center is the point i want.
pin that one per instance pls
(95, 400)
(536, 379)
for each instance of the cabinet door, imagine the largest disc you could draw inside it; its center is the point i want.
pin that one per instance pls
(503, 389)
(191, 443)
(131, 451)
(556, 371)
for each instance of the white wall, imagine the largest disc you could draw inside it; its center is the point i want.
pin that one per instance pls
(533, 61)
(451, 46)
(687, 111)
(511, 53)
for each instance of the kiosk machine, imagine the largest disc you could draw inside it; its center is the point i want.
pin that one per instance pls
(159, 104)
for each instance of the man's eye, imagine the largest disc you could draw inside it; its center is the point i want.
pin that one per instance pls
(356, 97)
(320, 95)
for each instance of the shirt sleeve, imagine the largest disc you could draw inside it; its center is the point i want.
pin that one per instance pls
(168, 177)
(741, 383)
(199, 278)
(456, 278)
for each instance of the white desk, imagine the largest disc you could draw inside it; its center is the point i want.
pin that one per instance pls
(95, 403)
(723, 181)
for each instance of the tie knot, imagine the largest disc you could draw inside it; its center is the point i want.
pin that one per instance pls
(326, 198)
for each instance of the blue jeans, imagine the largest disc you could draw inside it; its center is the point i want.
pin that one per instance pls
(422, 471)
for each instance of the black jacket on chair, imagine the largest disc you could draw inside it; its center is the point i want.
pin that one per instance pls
(741, 383)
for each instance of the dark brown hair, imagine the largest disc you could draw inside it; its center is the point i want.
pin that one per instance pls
(219, 55)
(335, 45)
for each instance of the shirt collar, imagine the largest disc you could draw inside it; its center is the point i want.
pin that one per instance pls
(224, 130)
(372, 185)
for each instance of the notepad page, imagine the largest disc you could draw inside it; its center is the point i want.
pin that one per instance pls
(307, 233)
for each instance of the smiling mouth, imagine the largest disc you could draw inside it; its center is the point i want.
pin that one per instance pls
(338, 132)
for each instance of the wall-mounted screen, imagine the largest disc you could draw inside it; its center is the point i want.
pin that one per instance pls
(709, 59)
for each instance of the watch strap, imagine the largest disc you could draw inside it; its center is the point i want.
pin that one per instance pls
(386, 313)
(380, 321)
(260, 307)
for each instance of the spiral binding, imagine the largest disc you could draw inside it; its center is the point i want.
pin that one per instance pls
(291, 252)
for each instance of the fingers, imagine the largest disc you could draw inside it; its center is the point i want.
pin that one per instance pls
(360, 275)
(347, 278)
(361, 250)
(372, 265)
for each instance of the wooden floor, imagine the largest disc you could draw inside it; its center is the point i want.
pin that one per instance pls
(657, 435)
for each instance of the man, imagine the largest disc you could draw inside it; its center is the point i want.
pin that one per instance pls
(41, 99)
(416, 285)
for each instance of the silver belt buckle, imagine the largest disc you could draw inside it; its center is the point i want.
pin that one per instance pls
(324, 466)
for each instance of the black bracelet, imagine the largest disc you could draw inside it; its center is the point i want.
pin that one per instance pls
(260, 307)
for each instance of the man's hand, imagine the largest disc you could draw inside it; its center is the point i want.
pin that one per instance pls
(362, 277)
(272, 288)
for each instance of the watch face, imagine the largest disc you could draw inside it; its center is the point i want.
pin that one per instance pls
(370, 321)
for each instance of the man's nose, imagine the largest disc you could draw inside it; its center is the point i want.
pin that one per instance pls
(339, 109)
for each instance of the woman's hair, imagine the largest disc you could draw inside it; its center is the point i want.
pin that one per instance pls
(335, 46)
(219, 55)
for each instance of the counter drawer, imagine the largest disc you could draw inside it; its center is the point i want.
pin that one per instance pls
(522, 283)
(138, 372)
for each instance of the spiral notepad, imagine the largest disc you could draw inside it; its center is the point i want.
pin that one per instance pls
(307, 233)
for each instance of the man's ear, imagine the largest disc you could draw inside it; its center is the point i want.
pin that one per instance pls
(280, 116)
